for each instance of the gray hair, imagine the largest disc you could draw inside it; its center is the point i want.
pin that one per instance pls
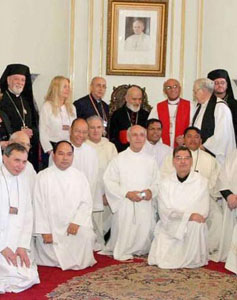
(205, 83)
(14, 146)
(130, 128)
(95, 117)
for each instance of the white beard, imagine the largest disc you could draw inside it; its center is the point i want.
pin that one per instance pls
(133, 108)
(17, 90)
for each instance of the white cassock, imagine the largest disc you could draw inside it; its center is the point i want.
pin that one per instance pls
(61, 198)
(208, 167)
(0, 155)
(29, 172)
(132, 222)
(15, 231)
(102, 218)
(86, 160)
(228, 236)
(52, 127)
(178, 242)
(138, 42)
(222, 142)
(159, 151)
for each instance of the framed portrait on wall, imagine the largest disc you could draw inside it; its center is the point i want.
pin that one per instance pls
(137, 34)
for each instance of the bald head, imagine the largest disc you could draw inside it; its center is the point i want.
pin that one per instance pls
(78, 132)
(172, 89)
(21, 138)
(136, 136)
(134, 98)
(98, 87)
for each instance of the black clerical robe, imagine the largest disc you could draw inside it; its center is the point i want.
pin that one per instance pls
(121, 120)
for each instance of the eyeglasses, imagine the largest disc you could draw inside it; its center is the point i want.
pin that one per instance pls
(171, 87)
(185, 158)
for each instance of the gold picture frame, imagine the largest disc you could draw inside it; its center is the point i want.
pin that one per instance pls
(137, 37)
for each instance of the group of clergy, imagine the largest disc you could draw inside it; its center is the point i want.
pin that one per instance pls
(162, 195)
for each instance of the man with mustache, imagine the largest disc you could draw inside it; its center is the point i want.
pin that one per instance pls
(131, 113)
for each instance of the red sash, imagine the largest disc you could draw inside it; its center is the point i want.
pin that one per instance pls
(181, 123)
(123, 136)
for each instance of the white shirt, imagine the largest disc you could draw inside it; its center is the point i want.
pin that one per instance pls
(51, 126)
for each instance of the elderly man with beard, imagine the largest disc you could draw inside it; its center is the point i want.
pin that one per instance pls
(19, 106)
(208, 167)
(131, 113)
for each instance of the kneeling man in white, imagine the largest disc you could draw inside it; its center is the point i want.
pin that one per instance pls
(17, 270)
(183, 202)
(63, 208)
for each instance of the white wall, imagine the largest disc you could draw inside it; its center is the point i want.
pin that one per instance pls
(36, 33)
(220, 37)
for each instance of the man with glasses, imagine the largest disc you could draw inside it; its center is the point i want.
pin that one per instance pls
(181, 233)
(173, 112)
(223, 90)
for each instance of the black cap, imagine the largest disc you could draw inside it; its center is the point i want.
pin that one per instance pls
(221, 73)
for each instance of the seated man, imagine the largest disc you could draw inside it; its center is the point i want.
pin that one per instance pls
(131, 181)
(17, 270)
(63, 206)
(153, 145)
(227, 184)
(131, 113)
(105, 151)
(181, 233)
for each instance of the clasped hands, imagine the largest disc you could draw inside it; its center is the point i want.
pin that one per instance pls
(135, 196)
(11, 257)
(232, 201)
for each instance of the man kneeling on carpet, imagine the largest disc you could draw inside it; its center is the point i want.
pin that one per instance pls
(181, 233)
(63, 208)
(18, 271)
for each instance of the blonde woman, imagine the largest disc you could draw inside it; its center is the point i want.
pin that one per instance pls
(57, 113)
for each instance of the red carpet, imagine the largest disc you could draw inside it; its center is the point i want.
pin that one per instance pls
(52, 277)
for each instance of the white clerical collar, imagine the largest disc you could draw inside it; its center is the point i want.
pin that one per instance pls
(6, 172)
(13, 92)
(174, 102)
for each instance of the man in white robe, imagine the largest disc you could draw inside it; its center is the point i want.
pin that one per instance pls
(62, 207)
(213, 117)
(131, 181)
(20, 137)
(106, 151)
(18, 272)
(153, 145)
(85, 157)
(207, 166)
(181, 233)
(227, 184)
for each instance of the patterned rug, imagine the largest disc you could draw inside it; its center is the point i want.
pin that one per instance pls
(139, 281)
